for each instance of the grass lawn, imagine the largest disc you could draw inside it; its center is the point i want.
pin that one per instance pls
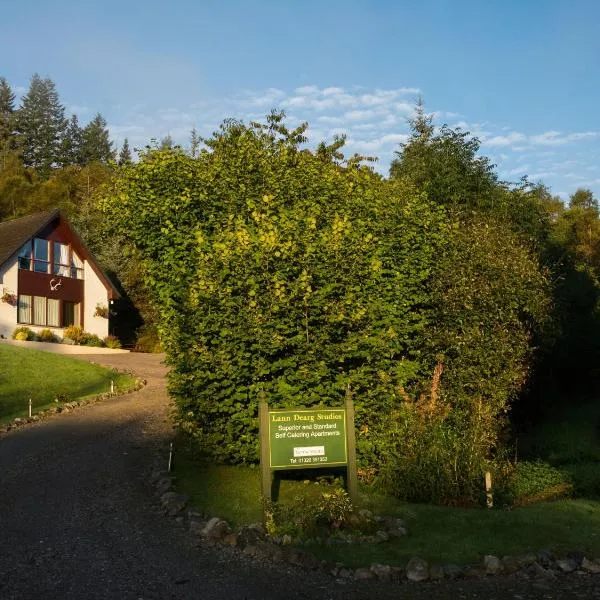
(43, 377)
(438, 534)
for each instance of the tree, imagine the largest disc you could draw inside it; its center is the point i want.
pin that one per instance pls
(125, 153)
(584, 199)
(96, 145)
(71, 143)
(194, 143)
(40, 123)
(445, 165)
(166, 143)
(7, 113)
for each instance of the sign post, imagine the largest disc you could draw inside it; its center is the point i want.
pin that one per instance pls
(307, 438)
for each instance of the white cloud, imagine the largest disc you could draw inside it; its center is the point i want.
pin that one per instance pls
(505, 140)
(359, 115)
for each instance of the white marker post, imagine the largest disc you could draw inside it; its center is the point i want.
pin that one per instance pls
(30, 408)
(112, 386)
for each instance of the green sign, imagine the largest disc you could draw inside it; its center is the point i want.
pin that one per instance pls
(307, 438)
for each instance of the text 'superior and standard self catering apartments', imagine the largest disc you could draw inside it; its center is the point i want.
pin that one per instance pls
(49, 279)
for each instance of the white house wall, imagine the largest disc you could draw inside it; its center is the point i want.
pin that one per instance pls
(9, 274)
(94, 293)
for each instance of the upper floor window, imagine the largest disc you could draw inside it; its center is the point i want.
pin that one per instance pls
(61, 260)
(25, 256)
(56, 258)
(41, 255)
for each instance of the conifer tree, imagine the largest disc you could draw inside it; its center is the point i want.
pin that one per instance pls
(7, 113)
(71, 143)
(194, 143)
(40, 124)
(96, 145)
(125, 153)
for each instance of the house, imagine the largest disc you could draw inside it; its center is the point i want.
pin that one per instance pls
(49, 279)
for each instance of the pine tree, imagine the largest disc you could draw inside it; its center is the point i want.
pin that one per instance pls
(166, 143)
(71, 143)
(40, 123)
(194, 143)
(7, 113)
(125, 154)
(96, 145)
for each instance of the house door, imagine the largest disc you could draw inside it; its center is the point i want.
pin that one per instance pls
(71, 314)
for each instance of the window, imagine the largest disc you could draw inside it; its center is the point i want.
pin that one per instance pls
(39, 310)
(24, 315)
(64, 261)
(76, 266)
(71, 314)
(53, 313)
(25, 256)
(41, 255)
(61, 259)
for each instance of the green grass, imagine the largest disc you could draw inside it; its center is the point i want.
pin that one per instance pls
(438, 534)
(42, 376)
(568, 438)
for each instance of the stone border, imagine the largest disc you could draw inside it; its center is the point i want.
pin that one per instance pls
(252, 541)
(67, 407)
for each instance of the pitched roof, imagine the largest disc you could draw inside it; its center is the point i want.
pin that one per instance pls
(14, 233)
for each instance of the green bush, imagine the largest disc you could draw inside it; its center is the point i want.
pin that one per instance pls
(23, 334)
(148, 341)
(296, 274)
(535, 481)
(74, 333)
(91, 339)
(46, 335)
(112, 341)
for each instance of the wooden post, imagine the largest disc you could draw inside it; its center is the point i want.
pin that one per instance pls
(351, 477)
(489, 495)
(265, 463)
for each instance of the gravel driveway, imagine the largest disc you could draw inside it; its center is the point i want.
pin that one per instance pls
(78, 520)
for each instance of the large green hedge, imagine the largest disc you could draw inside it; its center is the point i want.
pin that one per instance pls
(282, 270)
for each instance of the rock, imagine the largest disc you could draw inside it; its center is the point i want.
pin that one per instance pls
(194, 515)
(566, 565)
(173, 502)
(436, 572)
(453, 572)
(257, 527)
(18, 421)
(417, 569)
(381, 536)
(382, 572)
(216, 529)
(365, 514)
(590, 566)
(397, 573)
(511, 565)
(475, 572)
(394, 526)
(196, 527)
(345, 573)
(286, 539)
(248, 535)
(526, 560)
(493, 565)
(363, 574)
(231, 539)
(545, 558)
(538, 571)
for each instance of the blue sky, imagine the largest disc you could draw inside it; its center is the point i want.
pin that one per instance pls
(523, 76)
